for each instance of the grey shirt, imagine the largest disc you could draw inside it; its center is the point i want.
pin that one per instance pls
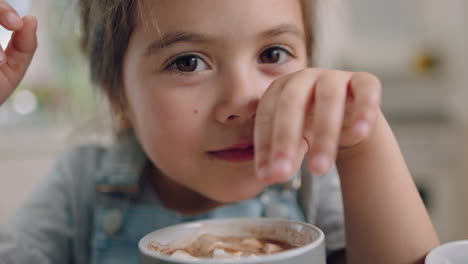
(94, 206)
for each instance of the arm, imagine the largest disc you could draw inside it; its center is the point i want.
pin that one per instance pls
(328, 115)
(386, 221)
(54, 224)
(41, 230)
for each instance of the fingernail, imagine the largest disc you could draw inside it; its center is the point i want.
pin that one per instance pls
(321, 163)
(262, 173)
(362, 127)
(282, 166)
(12, 18)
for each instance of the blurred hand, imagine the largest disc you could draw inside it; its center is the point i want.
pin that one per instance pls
(314, 111)
(15, 60)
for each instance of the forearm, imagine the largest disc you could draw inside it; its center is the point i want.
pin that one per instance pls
(386, 221)
(14, 250)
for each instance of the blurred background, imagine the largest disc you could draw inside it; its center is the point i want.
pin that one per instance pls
(418, 48)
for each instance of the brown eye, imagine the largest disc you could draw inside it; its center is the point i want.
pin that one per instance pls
(187, 63)
(273, 55)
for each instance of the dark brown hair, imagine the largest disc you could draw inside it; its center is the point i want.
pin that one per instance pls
(106, 29)
(107, 26)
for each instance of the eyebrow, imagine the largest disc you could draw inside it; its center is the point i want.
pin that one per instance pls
(284, 29)
(172, 38)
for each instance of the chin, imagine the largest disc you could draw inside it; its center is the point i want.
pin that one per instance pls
(236, 195)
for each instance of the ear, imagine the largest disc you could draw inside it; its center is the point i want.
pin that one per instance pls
(122, 113)
(119, 108)
(122, 119)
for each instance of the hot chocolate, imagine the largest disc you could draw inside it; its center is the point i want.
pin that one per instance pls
(211, 246)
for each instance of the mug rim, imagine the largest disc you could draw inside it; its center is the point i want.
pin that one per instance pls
(442, 247)
(265, 258)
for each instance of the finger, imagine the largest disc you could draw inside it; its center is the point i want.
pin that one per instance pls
(20, 50)
(9, 18)
(264, 126)
(19, 54)
(330, 98)
(2, 56)
(366, 89)
(288, 123)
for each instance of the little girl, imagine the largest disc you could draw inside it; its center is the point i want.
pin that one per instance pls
(218, 105)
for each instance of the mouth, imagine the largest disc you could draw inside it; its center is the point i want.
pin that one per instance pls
(236, 153)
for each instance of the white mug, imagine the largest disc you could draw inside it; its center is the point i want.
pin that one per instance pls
(455, 252)
(310, 239)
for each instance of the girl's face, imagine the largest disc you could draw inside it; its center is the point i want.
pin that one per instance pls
(194, 73)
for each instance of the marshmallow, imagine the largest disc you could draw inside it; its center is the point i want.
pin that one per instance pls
(180, 254)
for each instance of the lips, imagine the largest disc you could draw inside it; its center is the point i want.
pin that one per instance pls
(237, 153)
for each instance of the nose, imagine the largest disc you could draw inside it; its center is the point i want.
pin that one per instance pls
(240, 90)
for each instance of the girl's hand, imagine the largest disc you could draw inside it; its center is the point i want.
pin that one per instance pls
(316, 112)
(15, 60)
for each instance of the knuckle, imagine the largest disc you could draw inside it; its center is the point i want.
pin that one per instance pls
(304, 73)
(311, 71)
(5, 7)
(331, 85)
(334, 74)
(327, 93)
(276, 82)
(280, 81)
(370, 86)
(365, 79)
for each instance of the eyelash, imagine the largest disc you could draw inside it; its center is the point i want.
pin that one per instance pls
(280, 47)
(173, 70)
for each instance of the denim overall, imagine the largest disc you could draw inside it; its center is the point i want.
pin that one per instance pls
(126, 209)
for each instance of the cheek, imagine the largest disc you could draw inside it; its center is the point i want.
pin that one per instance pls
(171, 134)
(168, 120)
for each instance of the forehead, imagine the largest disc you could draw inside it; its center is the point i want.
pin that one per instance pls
(229, 18)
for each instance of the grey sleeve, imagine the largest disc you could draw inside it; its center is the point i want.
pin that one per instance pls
(44, 229)
(322, 201)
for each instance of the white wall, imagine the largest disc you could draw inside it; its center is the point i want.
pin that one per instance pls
(26, 155)
(17, 180)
